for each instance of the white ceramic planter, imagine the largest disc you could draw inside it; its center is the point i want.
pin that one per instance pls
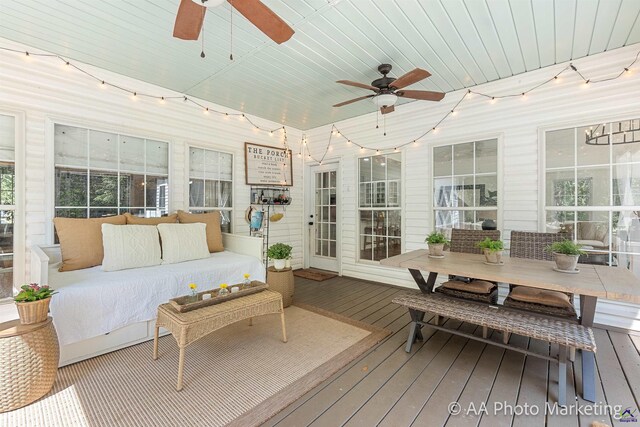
(566, 262)
(279, 264)
(493, 257)
(436, 249)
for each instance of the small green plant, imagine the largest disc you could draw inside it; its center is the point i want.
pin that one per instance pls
(566, 247)
(435, 238)
(279, 251)
(33, 292)
(491, 245)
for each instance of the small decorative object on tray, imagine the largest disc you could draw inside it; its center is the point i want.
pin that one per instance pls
(188, 303)
(223, 290)
(247, 281)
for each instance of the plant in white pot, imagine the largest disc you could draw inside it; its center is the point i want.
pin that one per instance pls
(436, 242)
(566, 254)
(492, 250)
(279, 254)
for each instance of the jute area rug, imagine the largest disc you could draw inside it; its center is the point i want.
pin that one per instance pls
(313, 274)
(240, 376)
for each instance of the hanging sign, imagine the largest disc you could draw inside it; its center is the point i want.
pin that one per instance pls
(266, 165)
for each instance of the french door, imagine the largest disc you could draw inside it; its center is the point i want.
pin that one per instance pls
(323, 213)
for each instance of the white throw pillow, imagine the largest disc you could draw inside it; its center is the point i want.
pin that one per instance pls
(183, 242)
(130, 246)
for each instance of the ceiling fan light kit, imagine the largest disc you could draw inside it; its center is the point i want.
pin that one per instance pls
(387, 89)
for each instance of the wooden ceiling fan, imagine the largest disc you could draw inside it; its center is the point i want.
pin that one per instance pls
(191, 13)
(388, 89)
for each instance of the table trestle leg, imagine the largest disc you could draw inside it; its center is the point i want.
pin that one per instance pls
(562, 376)
(414, 330)
(180, 369)
(284, 327)
(588, 376)
(155, 342)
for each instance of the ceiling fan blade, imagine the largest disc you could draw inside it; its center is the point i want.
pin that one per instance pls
(356, 84)
(189, 20)
(387, 110)
(424, 95)
(353, 100)
(410, 78)
(264, 19)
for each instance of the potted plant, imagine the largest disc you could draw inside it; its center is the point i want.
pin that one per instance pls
(279, 254)
(492, 250)
(436, 241)
(33, 303)
(566, 254)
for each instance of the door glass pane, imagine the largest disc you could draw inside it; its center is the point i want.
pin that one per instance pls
(560, 148)
(71, 146)
(103, 150)
(463, 158)
(593, 186)
(131, 190)
(157, 157)
(365, 169)
(591, 154)
(103, 188)
(442, 165)
(487, 156)
(71, 187)
(132, 151)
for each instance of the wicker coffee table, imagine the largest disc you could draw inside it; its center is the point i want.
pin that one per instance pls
(190, 326)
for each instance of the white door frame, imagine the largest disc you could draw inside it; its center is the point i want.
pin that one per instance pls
(309, 209)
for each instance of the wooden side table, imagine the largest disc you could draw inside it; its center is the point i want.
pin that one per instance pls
(29, 356)
(281, 281)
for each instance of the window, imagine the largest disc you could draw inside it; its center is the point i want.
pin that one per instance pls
(592, 192)
(100, 174)
(211, 183)
(465, 182)
(379, 206)
(7, 203)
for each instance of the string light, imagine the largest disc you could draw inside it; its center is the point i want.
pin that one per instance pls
(334, 130)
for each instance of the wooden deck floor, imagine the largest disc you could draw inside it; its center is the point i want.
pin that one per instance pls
(389, 387)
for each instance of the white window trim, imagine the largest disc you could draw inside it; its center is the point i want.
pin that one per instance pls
(19, 225)
(499, 177)
(49, 158)
(187, 155)
(401, 206)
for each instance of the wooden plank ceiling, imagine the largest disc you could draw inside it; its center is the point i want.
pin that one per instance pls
(461, 42)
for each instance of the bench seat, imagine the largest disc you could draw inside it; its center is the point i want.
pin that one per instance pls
(565, 333)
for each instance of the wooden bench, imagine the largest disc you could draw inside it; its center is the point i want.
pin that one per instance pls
(553, 330)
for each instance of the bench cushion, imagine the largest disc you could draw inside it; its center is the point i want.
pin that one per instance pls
(540, 296)
(475, 286)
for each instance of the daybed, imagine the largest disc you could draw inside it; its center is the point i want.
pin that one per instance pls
(96, 312)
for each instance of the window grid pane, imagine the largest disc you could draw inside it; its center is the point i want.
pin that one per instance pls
(100, 174)
(379, 206)
(465, 178)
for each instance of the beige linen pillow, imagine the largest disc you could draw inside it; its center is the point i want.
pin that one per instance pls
(474, 286)
(183, 242)
(540, 296)
(136, 220)
(81, 240)
(212, 220)
(130, 246)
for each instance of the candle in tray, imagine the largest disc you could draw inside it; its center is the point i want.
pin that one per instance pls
(206, 296)
(235, 289)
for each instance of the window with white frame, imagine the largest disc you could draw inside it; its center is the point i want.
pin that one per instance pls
(7, 203)
(465, 185)
(211, 183)
(592, 190)
(103, 173)
(379, 206)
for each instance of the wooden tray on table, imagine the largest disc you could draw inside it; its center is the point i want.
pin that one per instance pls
(188, 303)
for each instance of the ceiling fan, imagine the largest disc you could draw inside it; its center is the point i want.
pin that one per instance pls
(387, 89)
(191, 13)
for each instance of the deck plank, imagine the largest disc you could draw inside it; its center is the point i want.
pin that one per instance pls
(388, 387)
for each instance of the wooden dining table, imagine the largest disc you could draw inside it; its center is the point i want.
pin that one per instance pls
(590, 283)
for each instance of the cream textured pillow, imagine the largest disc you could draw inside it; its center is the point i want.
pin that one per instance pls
(212, 220)
(81, 240)
(183, 242)
(130, 246)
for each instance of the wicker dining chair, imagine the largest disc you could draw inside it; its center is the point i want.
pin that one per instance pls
(465, 241)
(526, 244)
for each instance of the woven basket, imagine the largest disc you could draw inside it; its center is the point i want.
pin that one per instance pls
(33, 311)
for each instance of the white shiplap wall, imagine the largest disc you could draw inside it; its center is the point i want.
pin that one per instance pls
(518, 123)
(46, 92)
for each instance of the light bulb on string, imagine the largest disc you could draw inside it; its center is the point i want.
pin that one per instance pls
(102, 85)
(134, 96)
(161, 100)
(205, 110)
(454, 113)
(493, 100)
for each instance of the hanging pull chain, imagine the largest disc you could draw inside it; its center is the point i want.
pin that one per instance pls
(384, 124)
(202, 55)
(377, 116)
(231, 43)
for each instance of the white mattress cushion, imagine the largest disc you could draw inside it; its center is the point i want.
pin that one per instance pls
(130, 246)
(183, 242)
